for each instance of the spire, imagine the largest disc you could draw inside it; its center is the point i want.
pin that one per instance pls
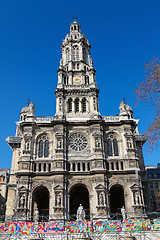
(76, 93)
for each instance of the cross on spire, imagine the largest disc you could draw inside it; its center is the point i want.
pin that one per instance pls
(28, 101)
(75, 18)
(124, 99)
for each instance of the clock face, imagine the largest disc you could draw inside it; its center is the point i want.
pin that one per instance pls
(77, 142)
(76, 79)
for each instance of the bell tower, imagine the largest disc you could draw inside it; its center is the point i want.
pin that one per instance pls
(77, 92)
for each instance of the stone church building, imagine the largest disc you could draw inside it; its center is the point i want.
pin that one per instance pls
(77, 156)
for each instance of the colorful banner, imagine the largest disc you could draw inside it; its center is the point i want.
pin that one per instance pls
(108, 226)
(21, 227)
(2, 227)
(146, 225)
(12, 228)
(137, 225)
(156, 224)
(80, 226)
(50, 227)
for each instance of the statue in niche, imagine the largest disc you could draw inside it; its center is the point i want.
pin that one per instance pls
(36, 214)
(101, 201)
(97, 143)
(22, 201)
(123, 212)
(59, 144)
(129, 144)
(59, 200)
(80, 213)
(26, 145)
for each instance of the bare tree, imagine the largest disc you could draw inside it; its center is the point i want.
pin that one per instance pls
(149, 91)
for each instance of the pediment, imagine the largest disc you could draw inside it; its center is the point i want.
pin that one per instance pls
(135, 186)
(99, 187)
(58, 187)
(22, 189)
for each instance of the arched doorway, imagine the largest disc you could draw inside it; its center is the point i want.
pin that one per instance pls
(41, 202)
(116, 198)
(79, 195)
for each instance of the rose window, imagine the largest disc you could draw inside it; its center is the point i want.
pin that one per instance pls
(77, 142)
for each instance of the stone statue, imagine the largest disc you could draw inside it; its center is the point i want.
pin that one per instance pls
(123, 211)
(129, 144)
(36, 214)
(80, 213)
(59, 201)
(22, 201)
(59, 144)
(97, 143)
(27, 145)
(101, 202)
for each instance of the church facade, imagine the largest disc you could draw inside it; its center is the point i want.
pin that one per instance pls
(77, 156)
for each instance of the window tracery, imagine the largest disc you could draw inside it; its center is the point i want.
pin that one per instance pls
(83, 105)
(75, 53)
(67, 55)
(70, 105)
(43, 147)
(77, 142)
(112, 145)
(77, 105)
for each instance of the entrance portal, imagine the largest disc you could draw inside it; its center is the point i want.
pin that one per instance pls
(116, 198)
(79, 195)
(41, 201)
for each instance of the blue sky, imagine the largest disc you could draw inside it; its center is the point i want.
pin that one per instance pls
(123, 36)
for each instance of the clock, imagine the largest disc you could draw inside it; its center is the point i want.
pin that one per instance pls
(76, 79)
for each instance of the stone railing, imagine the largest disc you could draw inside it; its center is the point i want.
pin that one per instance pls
(111, 118)
(50, 119)
(116, 165)
(44, 119)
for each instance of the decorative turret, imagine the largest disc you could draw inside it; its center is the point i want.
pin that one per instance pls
(126, 111)
(28, 112)
(76, 93)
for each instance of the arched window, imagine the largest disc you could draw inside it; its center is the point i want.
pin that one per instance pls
(46, 148)
(109, 147)
(39, 167)
(79, 168)
(115, 146)
(83, 105)
(43, 147)
(44, 167)
(40, 152)
(35, 167)
(68, 166)
(86, 80)
(49, 167)
(77, 105)
(121, 165)
(112, 165)
(70, 105)
(84, 168)
(88, 165)
(67, 55)
(76, 53)
(84, 55)
(73, 167)
(112, 146)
